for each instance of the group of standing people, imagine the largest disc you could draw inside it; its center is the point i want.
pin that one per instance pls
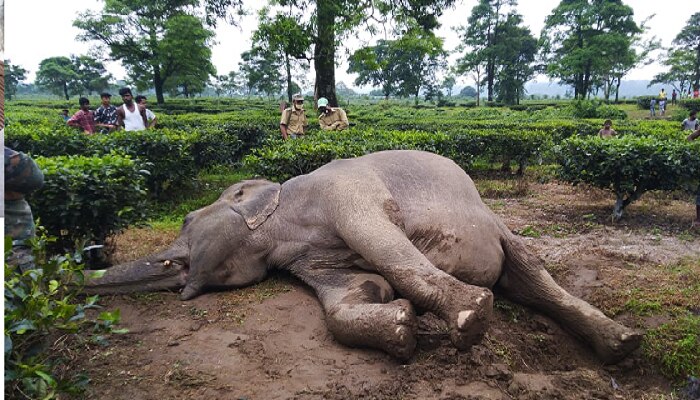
(293, 123)
(661, 100)
(133, 115)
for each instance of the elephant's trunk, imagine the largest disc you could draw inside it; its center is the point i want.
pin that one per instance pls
(153, 273)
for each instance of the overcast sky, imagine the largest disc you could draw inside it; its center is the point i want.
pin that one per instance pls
(38, 29)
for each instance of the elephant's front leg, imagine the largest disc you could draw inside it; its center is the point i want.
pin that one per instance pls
(361, 312)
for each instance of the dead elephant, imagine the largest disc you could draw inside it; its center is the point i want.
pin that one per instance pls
(373, 236)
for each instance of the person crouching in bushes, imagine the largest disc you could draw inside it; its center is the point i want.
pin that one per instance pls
(607, 131)
(331, 118)
(696, 223)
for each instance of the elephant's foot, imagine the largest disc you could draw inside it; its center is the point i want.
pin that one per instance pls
(616, 342)
(469, 321)
(390, 327)
(398, 338)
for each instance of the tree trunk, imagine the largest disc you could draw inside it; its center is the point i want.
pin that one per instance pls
(158, 84)
(324, 52)
(617, 89)
(490, 68)
(65, 90)
(289, 77)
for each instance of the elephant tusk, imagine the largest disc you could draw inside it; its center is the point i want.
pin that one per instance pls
(167, 263)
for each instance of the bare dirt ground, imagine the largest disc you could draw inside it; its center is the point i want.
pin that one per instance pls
(270, 341)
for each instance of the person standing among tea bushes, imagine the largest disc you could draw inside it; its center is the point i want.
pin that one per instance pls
(22, 176)
(331, 118)
(607, 131)
(293, 122)
(130, 115)
(151, 119)
(83, 118)
(691, 123)
(696, 223)
(106, 114)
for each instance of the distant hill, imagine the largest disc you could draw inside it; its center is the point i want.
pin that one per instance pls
(627, 88)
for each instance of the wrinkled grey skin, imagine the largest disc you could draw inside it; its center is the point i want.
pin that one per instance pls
(373, 236)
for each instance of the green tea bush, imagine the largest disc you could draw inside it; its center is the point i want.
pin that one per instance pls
(690, 104)
(596, 109)
(166, 154)
(644, 102)
(47, 140)
(630, 166)
(40, 305)
(89, 198)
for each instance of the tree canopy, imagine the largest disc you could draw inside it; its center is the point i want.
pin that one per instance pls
(14, 75)
(582, 39)
(161, 43)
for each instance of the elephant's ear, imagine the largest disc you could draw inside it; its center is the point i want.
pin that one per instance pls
(254, 200)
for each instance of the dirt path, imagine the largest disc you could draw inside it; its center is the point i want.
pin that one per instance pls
(270, 341)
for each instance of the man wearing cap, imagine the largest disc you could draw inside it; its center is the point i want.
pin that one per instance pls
(83, 118)
(130, 115)
(106, 114)
(331, 118)
(293, 122)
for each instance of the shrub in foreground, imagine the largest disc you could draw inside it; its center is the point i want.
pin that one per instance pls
(89, 198)
(41, 306)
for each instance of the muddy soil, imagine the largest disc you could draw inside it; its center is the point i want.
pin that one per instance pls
(270, 341)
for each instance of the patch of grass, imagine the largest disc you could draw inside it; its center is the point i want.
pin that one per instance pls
(642, 307)
(500, 349)
(232, 302)
(502, 188)
(530, 231)
(208, 187)
(676, 347)
(512, 310)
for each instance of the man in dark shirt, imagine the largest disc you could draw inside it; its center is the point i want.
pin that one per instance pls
(84, 118)
(106, 114)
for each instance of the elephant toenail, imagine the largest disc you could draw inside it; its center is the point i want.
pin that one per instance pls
(401, 315)
(626, 336)
(463, 318)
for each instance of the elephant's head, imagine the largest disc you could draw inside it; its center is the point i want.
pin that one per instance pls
(221, 245)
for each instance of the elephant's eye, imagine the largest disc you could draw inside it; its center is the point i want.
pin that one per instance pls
(188, 219)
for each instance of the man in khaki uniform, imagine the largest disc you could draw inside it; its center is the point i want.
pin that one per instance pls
(293, 122)
(331, 118)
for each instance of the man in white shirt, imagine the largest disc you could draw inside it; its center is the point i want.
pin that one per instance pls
(130, 115)
(150, 116)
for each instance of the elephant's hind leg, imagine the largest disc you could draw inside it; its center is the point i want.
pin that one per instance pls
(526, 281)
(360, 311)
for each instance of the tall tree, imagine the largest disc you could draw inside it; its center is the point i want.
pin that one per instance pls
(227, 84)
(515, 53)
(331, 21)
(581, 37)
(58, 75)
(473, 65)
(372, 66)
(14, 75)
(260, 70)
(482, 35)
(418, 57)
(284, 35)
(403, 66)
(689, 38)
(155, 40)
(680, 73)
(92, 75)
